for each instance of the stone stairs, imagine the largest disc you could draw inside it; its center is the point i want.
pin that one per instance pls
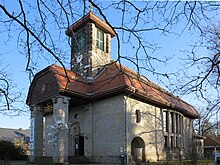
(78, 160)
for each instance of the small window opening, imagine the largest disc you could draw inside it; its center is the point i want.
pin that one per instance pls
(165, 141)
(76, 116)
(172, 141)
(138, 116)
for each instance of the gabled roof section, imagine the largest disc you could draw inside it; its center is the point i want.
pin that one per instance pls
(118, 77)
(66, 77)
(13, 134)
(90, 17)
(52, 81)
(211, 142)
(112, 80)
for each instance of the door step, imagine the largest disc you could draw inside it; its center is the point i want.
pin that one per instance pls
(78, 160)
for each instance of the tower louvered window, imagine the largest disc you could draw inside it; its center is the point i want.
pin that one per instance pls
(81, 42)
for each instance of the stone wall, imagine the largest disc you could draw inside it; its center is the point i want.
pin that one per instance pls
(188, 135)
(48, 137)
(93, 58)
(106, 136)
(149, 129)
(102, 124)
(109, 126)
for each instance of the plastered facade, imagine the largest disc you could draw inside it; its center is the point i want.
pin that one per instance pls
(109, 126)
(102, 125)
(149, 129)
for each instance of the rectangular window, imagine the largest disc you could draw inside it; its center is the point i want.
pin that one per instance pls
(166, 121)
(173, 128)
(165, 141)
(177, 123)
(81, 42)
(107, 43)
(172, 142)
(138, 116)
(172, 124)
(100, 40)
(177, 141)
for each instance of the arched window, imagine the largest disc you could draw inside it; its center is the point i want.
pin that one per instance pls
(138, 116)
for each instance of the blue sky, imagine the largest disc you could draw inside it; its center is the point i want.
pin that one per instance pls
(20, 77)
(171, 45)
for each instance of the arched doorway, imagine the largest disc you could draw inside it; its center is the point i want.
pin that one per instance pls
(76, 147)
(138, 149)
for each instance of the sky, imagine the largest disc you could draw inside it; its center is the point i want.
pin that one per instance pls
(171, 45)
(17, 69)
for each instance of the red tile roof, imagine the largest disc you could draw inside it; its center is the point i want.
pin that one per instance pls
(211, 142)
(115, 79)
(90, 17)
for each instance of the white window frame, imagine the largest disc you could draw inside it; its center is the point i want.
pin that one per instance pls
(100, 39)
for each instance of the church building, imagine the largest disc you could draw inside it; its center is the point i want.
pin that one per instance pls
(100, 111)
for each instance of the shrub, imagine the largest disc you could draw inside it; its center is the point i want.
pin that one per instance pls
(8, 151)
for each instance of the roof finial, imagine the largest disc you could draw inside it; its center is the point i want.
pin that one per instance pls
(91, 7)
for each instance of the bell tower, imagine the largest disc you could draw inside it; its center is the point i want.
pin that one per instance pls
(90, 45)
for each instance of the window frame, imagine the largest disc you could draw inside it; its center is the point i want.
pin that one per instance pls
(138, 115)
(172, 128)
(100, 39)
(81, 39)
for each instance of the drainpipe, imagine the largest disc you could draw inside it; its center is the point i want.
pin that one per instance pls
(91, 109)
(126, 145)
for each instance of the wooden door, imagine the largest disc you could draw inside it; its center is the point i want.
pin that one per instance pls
(79, 145)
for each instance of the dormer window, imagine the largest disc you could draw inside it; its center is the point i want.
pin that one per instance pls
(81, 42)
(100, 40)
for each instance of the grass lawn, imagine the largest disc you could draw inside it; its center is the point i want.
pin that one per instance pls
(13, 162)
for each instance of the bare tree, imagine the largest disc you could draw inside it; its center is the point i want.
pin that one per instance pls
(208, 123)
(39, 27)
(9, 94)
(205, 84)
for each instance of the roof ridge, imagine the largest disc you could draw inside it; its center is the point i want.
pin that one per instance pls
(214, 139)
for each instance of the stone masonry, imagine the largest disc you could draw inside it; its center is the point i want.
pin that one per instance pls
(37, 141)
(93, 58)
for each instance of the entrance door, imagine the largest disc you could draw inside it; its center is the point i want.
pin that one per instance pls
(79, 145)
(138, 149)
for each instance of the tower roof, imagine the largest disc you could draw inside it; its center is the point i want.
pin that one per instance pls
(90, 17)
